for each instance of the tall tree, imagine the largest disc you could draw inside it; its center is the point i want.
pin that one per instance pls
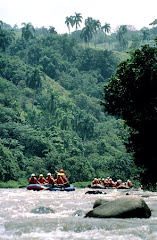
(107, 29)
(34, 80)
(77, 20)
(145, 34)
(89, 29)
(131, 94)
(96, 27)
(86, 34)
(28, 32)
(121, 36)
(6, 37)
(69, 21)
(154, 23)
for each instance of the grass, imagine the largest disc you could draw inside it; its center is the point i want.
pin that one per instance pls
(14, 184)
(21, 183)
(81, 184)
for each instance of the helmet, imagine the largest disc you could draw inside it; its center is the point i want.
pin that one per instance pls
(61, 170)
(32, 175)
(62, 174)
(41, 175)
(49, 174)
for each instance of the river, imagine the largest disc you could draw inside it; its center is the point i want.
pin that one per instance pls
(18, 223)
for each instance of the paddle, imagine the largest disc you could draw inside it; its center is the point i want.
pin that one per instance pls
(22, 186)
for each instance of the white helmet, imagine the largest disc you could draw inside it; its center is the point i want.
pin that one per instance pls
(32, 175)
(49, 174)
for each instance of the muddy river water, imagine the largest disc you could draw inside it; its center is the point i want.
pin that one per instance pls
(17, 222)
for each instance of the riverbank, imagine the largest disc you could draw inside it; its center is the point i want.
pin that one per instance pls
(21, 183)
(14, 184)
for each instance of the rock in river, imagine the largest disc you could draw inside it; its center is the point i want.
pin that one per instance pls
(122, 207)
(42, 210)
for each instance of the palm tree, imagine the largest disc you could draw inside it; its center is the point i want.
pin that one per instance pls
(88, 31)
(86, 127)
(86, 34)
(107, 29)
(34, 80)
(34, 77)
(145, 34)
(69, 21)
(96, 27)
(123, 28)
(28, 32)
(93, 26)
(154, 22)
(121, 36)
(77, 20)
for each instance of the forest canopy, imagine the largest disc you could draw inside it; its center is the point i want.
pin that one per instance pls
(51, 87)
(131, 94)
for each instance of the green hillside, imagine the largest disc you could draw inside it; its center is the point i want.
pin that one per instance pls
(51, 117)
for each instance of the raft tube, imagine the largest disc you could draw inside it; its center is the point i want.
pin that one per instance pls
(99, 186)
(36, 187)
(70, 188)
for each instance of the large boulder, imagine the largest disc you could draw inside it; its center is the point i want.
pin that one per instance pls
(123, 207)
(101, 201)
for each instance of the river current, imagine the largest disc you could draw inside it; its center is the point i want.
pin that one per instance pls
(17, 222)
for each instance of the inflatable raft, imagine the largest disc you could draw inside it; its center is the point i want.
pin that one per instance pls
(99, 186)
(38, 187)
(70, 188)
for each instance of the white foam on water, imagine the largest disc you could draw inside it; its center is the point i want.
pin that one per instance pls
(18, 223)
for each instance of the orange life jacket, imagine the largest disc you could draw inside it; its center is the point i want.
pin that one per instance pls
(59, 180)
(33, 180)
(50, 180)
(41, 180)
(95, 182)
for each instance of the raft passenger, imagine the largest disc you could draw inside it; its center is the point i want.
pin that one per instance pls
(62, 180)
(42, 180)
(33, 179)
(50, 180)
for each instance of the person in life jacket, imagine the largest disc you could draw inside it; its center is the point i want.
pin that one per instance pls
(62, 180)
(50, 180)
(119, 182)
(111, 183)
(62, 172)
(94, 182)
(129, 183)
(42, 180)
(33, 179)
(104, 182)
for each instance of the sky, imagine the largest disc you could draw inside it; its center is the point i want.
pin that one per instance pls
(138, 13)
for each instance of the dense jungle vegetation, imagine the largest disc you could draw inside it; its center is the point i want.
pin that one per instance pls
(51, 87)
